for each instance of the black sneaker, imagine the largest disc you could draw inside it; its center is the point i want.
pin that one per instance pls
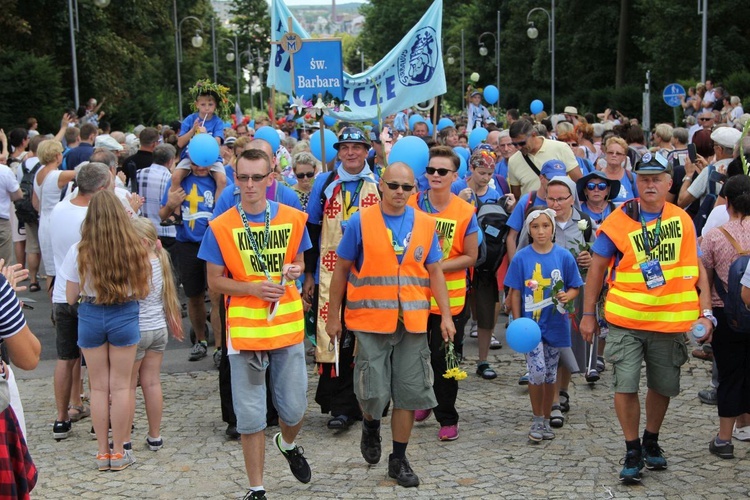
(297, 462)
(231, 432)
(199, 351)
(632, 465)
(400, 470)
(61, 429)
(369, 445)
(653, 456)
(255, 495)
(725, 450)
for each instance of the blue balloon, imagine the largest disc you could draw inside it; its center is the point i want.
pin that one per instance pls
(376, 124)
(414, 119)
(300, 121)
(463, 168)
(476, 137)
(491, 94)
(203, 150)
(462, 152)
(330, 138)
(413, 151)
(445, 122)
(269, 135)
(329, 120)
(537, 106)
(429, 128)
(523, 335)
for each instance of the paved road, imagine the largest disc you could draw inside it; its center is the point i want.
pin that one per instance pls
(491, 459)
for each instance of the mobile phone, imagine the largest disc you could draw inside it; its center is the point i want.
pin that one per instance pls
(691, 152)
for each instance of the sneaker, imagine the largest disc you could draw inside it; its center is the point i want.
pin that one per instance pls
(708, 396)
(120, 461)
(495, 344)
(102, 461)
(154, 444)
(422, 415)
(536, 433)
(564, 402)
(231, 432)
(725, 450)
(741, 433)
(297, 462)
(448, 433)
(255, 495)
(600, 365)
(369, 445)
(473, 330)
(217, 358)
(548, 433)
(199, 351)
(653, 456)
(400, 470)
(631, 469)
(524, 379)
(61, 429)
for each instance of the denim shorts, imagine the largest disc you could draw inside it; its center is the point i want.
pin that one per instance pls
(116, 324)
(288, 381)
(152, 340)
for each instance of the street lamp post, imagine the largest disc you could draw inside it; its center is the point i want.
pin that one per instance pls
(532, 33)
(452, 60)
(496, 39)
(196, 41)
(73, 23)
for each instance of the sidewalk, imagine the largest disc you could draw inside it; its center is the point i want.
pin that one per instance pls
(491, 459)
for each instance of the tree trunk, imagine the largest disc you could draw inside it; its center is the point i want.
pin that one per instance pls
(622, 42)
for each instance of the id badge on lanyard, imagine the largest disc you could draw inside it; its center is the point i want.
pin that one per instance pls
(653, 275)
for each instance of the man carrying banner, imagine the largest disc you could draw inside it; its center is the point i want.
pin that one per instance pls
(334, 198)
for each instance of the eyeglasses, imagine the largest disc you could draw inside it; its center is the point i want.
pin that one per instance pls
(552, 201)
(601, 186)
(302, 175)
(519, 144)
(442, 172)
(254, 178)
(393, 186)
(615, 153)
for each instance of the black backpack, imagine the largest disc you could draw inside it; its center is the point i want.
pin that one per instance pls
(25, 211)
(738, 315)
(492, 218)
(708, 202)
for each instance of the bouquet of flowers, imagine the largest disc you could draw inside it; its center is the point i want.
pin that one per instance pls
(323, 105)
(585, 246)
(451, 361)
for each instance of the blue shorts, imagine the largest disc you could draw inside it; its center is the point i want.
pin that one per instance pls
(288, 386)
(116, 324)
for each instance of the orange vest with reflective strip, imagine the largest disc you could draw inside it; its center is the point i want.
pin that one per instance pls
(670, 308)
(451, 225)
(383, 289)
(247, 315)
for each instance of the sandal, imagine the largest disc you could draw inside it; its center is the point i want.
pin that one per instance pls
(564, 402)
(485, 371)
(172, 220)
(82, 412)
(34, 287)
(556, 418)
(495, 344)
(339, 423)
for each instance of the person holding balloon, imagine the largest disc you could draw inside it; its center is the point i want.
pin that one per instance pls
(477, 115)
(543, 279)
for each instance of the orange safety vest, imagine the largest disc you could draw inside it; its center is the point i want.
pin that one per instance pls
(670, 308)
(383, 289)
(451, 226)
(247, 315)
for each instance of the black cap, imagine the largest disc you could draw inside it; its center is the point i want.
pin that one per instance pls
(351, 135)
(652, 164)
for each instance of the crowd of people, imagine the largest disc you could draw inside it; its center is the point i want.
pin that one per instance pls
(615, 242)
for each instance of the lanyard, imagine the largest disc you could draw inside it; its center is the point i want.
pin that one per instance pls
(266, 236)
(427, 205)
(647, 244)
(355, 195)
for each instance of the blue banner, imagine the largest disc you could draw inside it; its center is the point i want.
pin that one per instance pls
(410, 73)
(318, 68)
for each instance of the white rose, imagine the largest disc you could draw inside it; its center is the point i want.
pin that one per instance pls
(583, 225)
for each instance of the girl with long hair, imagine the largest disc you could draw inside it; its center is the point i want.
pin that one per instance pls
(108, 272)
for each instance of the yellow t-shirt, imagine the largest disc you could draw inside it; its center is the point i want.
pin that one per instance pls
(521, 174)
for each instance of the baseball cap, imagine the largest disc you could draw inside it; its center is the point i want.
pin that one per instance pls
(726, 137)
(351, 135)
(229, 141)
(553, 168)
(653, 164)
(476, 92)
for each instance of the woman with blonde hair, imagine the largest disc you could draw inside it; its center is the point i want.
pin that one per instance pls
(159, 312)
(108, 272)
(616, 156)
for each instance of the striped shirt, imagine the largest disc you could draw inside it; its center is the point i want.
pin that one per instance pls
(151, 182)
(151, 314)
(12, 319)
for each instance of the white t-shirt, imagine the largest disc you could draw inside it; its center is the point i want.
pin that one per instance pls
(8, 185)
(718, 217)
(151, 314)
(65, 232)
(69, 270)
(699, 187)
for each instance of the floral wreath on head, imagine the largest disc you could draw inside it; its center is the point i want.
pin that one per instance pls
(219, 92)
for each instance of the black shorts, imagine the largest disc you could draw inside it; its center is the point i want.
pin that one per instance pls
(192, 270)
(66, 328)
(485, 295)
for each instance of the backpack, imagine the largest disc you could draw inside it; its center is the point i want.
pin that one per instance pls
(707, 204)
(737, 313)
(25, 211)
(492, 218)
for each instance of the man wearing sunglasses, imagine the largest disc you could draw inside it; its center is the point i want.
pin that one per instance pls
(335, 197)
(389, 272)
(533, 151)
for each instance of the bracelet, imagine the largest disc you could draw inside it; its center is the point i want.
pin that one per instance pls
(589, 314)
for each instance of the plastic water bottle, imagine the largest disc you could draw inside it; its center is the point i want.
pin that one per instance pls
(698, 331)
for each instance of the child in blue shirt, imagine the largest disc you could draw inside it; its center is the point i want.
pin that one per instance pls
(532, 274)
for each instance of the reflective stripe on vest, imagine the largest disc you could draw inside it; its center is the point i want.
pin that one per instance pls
(383, 289)
(247, 316)
(670, 308)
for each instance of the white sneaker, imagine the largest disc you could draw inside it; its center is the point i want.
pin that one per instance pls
(741, 433)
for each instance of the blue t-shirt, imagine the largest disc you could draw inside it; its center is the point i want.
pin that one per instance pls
(517, 216)
(399, 230)
(597, 218)
(546, 269)
(473, 227)
(214, 127)
(628, 190)
(490, 196)
(501, 168)
(276, 192)
(210, 251)
(197, 208)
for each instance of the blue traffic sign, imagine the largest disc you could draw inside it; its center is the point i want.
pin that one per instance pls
(673, 94)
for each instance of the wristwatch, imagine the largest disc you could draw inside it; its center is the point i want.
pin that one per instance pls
(708, 314)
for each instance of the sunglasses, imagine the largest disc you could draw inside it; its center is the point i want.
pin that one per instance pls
(352, 136)
(302, 175)
(573, 144)
(442, 172)
(601, 186)
(705, 119)
(254, 178)
(393, 186)
(519, 144)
